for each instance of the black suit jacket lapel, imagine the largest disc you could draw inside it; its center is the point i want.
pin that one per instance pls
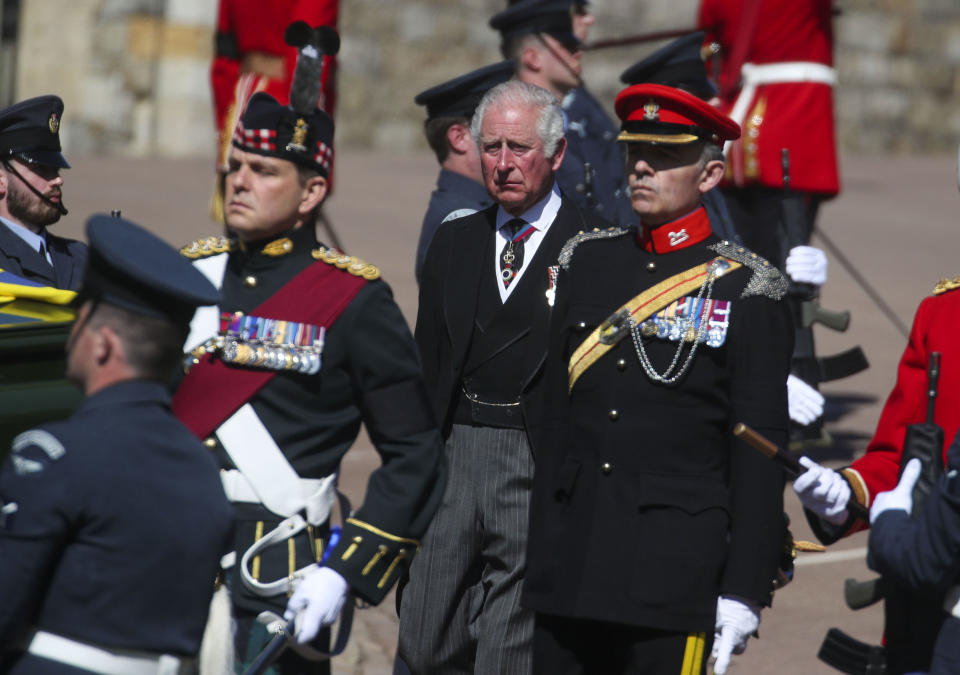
(461, 294)
(568, 222)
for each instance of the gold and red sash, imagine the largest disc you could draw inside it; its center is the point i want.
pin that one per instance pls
(638, 309)
(212, 391)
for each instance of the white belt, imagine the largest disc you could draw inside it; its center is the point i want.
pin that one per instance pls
(104, 661)
(951, 603)
(317, 494)
(268, 473)
(753, 76)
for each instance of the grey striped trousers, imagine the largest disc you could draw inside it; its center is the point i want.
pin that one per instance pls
(461, 611)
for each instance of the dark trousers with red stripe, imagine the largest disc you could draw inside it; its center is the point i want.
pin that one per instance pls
(564, 646)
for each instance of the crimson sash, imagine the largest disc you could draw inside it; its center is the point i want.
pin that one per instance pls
(212, 391)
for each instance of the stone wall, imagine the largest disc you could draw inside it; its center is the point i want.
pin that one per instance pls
(133, 73)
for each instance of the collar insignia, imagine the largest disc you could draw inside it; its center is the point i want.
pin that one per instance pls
(278, 247)
(677, 238)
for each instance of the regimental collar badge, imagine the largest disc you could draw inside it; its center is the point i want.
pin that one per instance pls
(53, 123)
(298, 141)
(651, 111)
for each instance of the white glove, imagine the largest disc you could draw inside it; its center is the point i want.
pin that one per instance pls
(807, 265)
(316, 603)
(736, 621)
(900, 497)
(823, 491)
(804, 403)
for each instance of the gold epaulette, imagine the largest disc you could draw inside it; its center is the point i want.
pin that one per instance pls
(945, 285)
(206, 247)
(350, 263)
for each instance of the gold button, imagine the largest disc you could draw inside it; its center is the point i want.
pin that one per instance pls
(606, 467)
(651, 266)
(614, 415)
(621, 364)
(250, 281)
(210, 442)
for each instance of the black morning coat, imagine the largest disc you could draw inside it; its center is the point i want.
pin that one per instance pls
(644, 507)
(449, 290)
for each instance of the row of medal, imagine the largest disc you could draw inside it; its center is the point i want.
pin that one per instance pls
(273, 344)
(681, 321)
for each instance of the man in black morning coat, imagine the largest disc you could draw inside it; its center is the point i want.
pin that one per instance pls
(653, 533)
(481, 329)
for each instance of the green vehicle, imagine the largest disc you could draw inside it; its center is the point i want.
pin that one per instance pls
(35, 325)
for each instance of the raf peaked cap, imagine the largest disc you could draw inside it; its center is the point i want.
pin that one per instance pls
(678, 64)
(537, 16)
(275, 130)
(30, 131)
(653, 113)
(135, 270)
(460, 96)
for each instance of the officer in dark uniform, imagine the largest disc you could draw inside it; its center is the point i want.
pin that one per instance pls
(651, 528)
(460, 189)
(538, 36)
(680, 64)
(31, 196)
(591, 135)
(306, 345)
(113, 522)
(923, 553)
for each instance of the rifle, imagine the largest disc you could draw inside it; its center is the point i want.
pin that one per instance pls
(639, 38)
(804, 301)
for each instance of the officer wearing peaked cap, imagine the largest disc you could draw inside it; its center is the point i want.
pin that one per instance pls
(651, 527)
(306, 345)
(109, 550)
(680, 64)
(460, 189)
(31, 195)
(540, 37)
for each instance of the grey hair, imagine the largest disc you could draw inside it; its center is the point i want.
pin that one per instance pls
(711, 152)
(517, 93)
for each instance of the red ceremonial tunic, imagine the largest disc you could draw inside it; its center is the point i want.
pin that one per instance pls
(796, 110)
(935, 329)
(256, 26)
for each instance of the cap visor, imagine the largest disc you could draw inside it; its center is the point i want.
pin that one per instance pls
(44, 157)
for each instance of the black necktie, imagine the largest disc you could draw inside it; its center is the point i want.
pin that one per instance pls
(43, 254)
(511, 258)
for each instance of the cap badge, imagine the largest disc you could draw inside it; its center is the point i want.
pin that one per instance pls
(53, 123)
(299, 139)
(651, 111)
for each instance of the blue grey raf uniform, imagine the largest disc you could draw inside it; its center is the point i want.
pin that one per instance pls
(922, 554)
(591, 174)
(456, 195)
(113, 522)
(592, 169)
(680, 64)
(30, 134)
